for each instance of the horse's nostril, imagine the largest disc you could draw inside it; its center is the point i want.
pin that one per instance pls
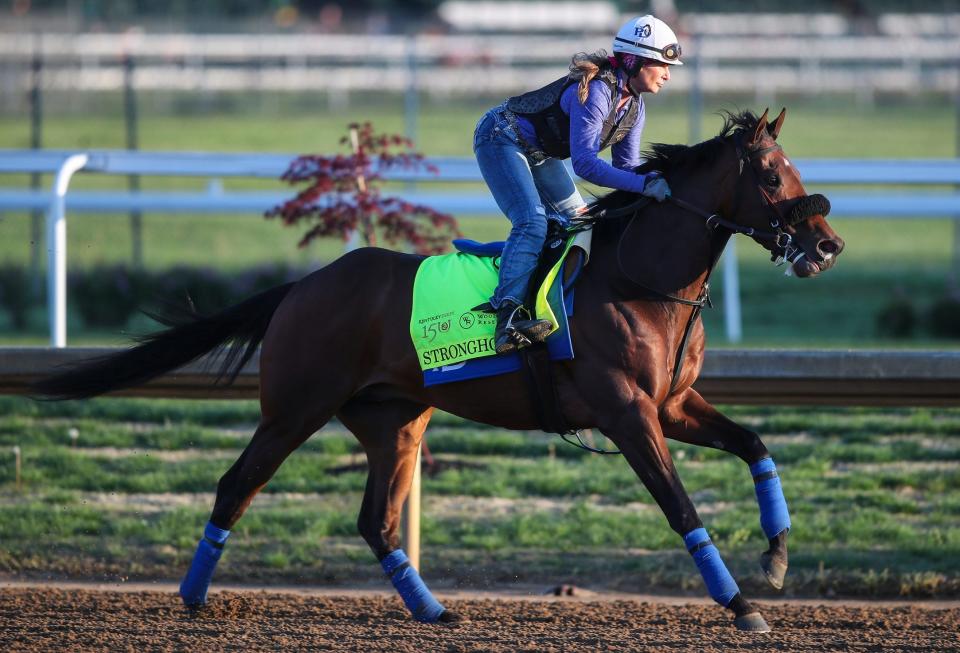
(829, 247)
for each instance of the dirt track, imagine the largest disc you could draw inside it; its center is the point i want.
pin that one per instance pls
(82, 619)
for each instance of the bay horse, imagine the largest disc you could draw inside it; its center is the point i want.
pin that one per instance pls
(336, 344)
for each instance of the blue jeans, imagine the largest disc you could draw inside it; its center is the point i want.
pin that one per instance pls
(529, 193)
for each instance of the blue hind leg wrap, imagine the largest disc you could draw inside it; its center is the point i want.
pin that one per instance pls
(411, 587)
(193, 589)
(774, 516)
(719, 582)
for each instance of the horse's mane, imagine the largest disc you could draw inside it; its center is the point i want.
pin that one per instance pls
(671, 159)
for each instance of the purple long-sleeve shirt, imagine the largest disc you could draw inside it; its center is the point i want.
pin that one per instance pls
(586, 126)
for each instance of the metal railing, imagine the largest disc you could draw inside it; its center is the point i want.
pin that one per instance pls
(919, 173)
(733, 376)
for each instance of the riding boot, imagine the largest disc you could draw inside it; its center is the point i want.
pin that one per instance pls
(513, 331)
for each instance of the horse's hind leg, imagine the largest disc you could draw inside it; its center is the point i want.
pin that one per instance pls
(690, 419)
(273, 441)
(637, 433)
(391, 432)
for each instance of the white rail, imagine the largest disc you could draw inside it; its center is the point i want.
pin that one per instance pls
(897, 203)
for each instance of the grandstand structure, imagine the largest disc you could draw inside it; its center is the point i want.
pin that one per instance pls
(761, 54)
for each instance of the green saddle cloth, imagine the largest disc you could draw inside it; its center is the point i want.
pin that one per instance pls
(444, 328)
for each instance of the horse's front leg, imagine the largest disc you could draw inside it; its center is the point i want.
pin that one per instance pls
(689, 418)
(638, 435)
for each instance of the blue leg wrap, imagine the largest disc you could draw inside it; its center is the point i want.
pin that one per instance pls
(411, 587)
(719, 582)
(774, 517)
(193, 589)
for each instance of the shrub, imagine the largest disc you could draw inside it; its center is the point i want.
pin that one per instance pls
(15, 294)
(897, 319)
(106, 296)
(944, 317)
(341, 194)
(109, 296)
(255, 280)
(203, 289)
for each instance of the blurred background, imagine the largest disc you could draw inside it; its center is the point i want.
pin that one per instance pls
(868, 86)
(861, 80)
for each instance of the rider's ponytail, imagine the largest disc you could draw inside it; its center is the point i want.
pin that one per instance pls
(584, 67)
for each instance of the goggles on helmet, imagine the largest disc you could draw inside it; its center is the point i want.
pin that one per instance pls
(668, 52)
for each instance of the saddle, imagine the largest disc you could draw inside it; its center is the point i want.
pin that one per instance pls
(453, 335)
(553, 250)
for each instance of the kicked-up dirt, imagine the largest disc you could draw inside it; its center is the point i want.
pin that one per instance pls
(74, 619)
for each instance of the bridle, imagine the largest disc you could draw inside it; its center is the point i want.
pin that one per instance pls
(783, 249)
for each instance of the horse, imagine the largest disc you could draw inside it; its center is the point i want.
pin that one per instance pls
(335, 344)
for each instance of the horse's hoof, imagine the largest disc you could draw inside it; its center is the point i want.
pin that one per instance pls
(450, 617)
(774, 570)
(752, 623)
(192, 602)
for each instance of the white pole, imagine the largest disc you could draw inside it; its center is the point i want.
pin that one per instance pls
(411, 518)
(731, 292)
(16, 464)
(57, 250)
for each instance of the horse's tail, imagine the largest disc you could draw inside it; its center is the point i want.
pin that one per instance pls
(189, 337)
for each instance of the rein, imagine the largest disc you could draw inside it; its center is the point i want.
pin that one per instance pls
(704, 297)
(784, 250)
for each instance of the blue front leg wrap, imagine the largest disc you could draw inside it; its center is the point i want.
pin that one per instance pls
(193, 589)
(719, 582)
(411, 587)
(774, 516)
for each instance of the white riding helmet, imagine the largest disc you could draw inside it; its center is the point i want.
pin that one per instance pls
(648, 37)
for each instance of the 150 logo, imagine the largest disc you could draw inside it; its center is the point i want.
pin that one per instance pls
(431, 331)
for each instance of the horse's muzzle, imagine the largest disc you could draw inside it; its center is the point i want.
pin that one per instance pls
(822, 259)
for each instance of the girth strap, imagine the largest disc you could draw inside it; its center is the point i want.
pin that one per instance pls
(543, 389)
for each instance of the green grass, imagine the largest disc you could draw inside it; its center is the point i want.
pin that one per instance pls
(816, 126)
(874, 497)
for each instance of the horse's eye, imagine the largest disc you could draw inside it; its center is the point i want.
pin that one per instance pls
(773, 181)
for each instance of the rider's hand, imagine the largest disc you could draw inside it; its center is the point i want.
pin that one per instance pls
(656, 187)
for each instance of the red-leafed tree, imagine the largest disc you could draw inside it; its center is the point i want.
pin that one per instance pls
(341, 195)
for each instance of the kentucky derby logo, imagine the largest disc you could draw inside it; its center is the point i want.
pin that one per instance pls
(643, 31)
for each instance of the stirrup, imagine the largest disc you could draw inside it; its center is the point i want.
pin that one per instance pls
(525, 329)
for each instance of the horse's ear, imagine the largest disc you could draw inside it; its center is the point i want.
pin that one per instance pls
(774, 127)
(761, 125)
